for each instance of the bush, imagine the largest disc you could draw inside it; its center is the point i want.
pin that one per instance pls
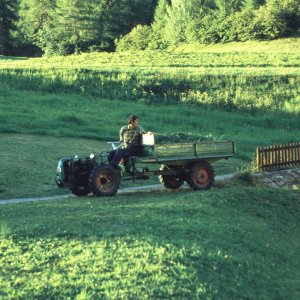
(138, 39)
(243, 25)
(291, 15)
(265, 23)
(268, 24)
(179, 25)
(226, 29)
(208, 31)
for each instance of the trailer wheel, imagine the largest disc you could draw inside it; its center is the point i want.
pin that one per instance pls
(104, 180)
(80, 191)
(201, 176)
(170, 181)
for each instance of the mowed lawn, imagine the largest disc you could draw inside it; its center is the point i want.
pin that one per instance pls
(233, 242)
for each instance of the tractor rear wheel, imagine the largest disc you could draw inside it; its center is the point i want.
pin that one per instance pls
(104, 180)
(80, 191)
(201, 176)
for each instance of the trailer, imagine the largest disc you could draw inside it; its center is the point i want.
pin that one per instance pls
(174, 163)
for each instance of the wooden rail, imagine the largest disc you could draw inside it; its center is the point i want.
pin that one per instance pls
(278, 156)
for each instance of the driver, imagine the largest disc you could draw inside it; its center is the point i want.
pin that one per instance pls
(130, 136)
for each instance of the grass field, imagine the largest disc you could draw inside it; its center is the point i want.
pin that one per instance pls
(38, 129)
(231, 80)
(232, 242)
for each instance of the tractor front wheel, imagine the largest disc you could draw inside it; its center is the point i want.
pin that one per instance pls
(104, 180)
(201, 176)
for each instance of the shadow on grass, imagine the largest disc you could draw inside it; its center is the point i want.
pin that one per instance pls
(173, 216)
(224, 243)
(2, 57)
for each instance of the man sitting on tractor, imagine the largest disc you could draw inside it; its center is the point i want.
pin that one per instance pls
(130, 138)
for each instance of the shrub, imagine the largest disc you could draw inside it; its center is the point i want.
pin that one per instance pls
(208, 31)
(138, 39)
(268, 23)
(291, 15)
(264, 23)
(243, 25)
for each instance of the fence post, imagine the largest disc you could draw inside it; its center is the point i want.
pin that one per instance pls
(259, 158)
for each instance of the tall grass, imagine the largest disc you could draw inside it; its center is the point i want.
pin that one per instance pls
(229, 80)
(231, 92)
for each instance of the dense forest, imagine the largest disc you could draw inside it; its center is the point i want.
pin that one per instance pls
(36, 27)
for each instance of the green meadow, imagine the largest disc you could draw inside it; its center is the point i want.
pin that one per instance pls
(37, 129)
(230, 80)
(235, 241)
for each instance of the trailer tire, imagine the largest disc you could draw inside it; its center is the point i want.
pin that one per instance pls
(170, 181)
(80, 191)
(104, 180)
(201, 176)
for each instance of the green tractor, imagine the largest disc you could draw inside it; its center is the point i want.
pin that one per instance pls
(174, 164)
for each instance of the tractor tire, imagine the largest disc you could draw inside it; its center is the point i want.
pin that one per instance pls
(104, 180)
(80, 191)
(201, 176)
(170, 181)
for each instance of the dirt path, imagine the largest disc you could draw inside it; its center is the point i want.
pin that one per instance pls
(146, 188)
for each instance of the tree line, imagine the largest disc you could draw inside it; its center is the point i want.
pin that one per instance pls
(33, 27)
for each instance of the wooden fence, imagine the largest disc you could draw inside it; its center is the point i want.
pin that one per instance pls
(278, 156)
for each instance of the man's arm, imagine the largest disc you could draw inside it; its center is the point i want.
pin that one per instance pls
(142, 130)
(121, 135)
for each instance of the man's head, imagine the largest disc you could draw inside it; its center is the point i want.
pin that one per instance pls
(133, 120)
